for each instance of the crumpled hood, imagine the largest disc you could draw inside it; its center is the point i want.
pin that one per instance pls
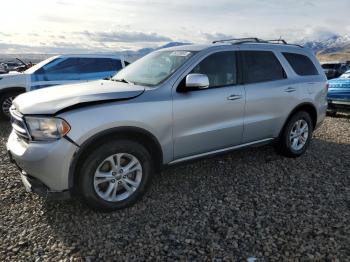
(54, 99)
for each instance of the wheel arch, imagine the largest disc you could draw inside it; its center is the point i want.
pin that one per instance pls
(12, 89)
(140, 135)
(307, 107)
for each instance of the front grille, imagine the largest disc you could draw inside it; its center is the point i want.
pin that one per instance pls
(19, 125)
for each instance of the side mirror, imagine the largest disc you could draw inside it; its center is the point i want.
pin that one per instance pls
(199, 81)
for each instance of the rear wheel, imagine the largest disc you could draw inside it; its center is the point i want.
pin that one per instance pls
(296, 135)
(115, 175)
(5, 104)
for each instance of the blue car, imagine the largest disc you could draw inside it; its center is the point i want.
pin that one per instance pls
(339, 93)
(56, 70)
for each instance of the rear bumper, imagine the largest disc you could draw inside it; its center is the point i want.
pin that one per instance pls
(338, 105)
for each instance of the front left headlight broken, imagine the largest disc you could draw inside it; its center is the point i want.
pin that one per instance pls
(46, 128)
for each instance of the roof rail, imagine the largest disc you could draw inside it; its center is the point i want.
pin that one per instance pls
(238, 41)
(277, 41)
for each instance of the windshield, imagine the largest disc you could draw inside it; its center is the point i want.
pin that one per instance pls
(154, 68)
(39, 65)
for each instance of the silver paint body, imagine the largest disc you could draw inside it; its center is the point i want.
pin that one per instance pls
(186, 125)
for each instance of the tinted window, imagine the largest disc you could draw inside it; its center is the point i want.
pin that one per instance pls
(61, 66)
(260, 66)
(220, 69)
(302, 65)
(93, 65)
(116, 64)
(57, 70)
(73, 68)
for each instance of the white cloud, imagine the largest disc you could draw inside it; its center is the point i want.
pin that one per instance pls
(132, 24)
(124, 36)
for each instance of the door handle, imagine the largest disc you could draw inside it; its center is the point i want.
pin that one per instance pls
(290, 89)
(234, 97)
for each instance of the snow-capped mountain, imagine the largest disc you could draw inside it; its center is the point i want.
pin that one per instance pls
(325, 44)
(331, 44)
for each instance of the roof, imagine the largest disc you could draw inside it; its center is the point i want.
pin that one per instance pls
(196, 47)
(90, 55)
(190, 47)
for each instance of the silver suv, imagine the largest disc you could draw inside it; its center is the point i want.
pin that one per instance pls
(104, 140)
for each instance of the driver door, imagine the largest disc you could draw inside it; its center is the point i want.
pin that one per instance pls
(209, 119)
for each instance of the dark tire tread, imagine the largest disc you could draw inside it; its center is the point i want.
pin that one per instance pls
(282, 146)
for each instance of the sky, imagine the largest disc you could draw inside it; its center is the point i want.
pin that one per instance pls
(72, 26)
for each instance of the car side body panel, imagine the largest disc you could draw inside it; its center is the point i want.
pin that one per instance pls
(156, 119)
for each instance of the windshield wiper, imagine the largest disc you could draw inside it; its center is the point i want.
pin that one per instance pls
(122, 80)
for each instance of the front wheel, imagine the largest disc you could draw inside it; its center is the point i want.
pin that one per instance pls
(115, 175)
(5, 104)
(296, 135)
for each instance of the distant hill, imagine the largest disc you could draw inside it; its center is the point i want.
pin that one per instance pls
(331, 48)
(128, 55)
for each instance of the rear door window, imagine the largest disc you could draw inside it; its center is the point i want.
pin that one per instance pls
(301, 64)
(92, 65)
(98, 68)
(261, 66)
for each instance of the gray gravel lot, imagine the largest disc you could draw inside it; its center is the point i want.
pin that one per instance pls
(250, 203)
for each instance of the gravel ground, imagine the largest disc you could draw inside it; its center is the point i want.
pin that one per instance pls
(250, 203)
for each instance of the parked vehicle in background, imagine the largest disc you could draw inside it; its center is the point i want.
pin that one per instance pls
(334, 69)
(3, 68)
(339, 94)
(171, 106)
(57, 70)
(12, 66)
(23, 66)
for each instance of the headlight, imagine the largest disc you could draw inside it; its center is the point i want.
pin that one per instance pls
(46, 128)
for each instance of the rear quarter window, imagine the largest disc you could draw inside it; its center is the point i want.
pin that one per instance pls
(301, 64)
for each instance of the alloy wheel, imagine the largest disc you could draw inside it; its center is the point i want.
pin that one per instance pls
(299, 135)
(117, 177)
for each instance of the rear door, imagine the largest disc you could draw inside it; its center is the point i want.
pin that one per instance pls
(210, 119)
(270, 95)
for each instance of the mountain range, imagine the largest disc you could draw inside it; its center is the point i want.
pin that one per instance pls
(330, 48)
(333, 47)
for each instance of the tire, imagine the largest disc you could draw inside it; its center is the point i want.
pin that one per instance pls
(5, 99)
(295, 147)
(92, 190)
